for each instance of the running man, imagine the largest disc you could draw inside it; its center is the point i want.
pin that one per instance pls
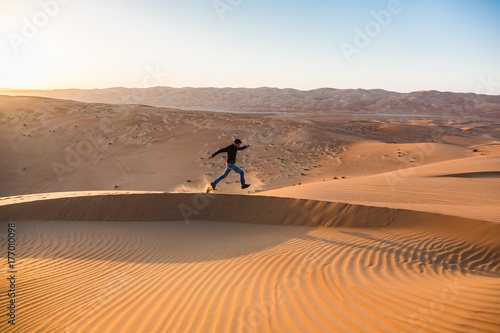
(231, 160)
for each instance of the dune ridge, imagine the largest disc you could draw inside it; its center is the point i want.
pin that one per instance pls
(323, 100)
(157, 206)
(467, 187)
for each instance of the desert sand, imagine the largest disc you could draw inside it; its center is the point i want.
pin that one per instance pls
(58, 145)
(352, 224)
(272, 264)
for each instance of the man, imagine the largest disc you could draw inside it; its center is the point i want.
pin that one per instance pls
(231, 160)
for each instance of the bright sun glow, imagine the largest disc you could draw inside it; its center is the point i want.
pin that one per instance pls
(394, 45)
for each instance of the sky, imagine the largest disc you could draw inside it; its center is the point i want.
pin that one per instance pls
(397, 45)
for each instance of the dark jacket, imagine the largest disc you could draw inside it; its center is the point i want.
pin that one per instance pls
(231, 152)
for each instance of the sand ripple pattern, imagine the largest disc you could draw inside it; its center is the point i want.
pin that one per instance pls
(210, 276)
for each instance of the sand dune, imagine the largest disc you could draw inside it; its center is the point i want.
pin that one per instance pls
(85, 269)
(114, 235)
(55, 145)
(467, 187)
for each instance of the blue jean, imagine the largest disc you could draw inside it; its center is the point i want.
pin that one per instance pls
(233, 167)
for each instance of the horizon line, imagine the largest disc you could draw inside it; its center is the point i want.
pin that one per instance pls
(251, 88)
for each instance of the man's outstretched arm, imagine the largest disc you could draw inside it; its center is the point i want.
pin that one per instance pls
(244, 147)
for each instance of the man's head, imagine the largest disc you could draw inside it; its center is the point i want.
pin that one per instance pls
(237, 143)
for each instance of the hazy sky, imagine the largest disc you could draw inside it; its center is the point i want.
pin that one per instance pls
(406, 45)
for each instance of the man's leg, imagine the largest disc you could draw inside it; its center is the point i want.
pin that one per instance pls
(224, 175)
(238, 170)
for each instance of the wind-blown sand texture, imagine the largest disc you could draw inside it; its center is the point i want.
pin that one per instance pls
(293, 265)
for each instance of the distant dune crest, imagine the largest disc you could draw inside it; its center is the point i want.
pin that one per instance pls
(324, 100)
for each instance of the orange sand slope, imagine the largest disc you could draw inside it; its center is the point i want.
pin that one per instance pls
(468, 187)
(266, 264)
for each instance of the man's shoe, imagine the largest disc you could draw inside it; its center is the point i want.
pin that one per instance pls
(213, 185)
(245, 186)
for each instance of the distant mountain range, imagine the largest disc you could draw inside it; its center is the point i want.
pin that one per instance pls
(318, 101)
